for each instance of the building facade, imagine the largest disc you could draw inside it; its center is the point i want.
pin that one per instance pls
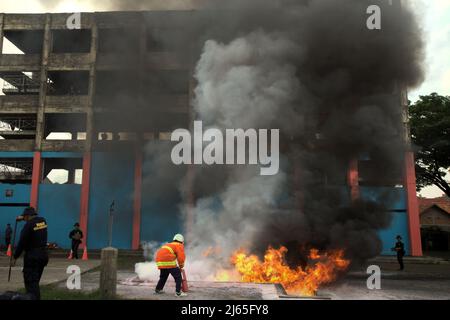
(75, 116)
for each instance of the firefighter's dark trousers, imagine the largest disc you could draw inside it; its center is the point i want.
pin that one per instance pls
(33, 266)
(176, 274)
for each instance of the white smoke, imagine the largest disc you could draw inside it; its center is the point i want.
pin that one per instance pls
(248, 83)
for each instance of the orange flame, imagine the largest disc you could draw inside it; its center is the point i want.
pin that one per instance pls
(274, 269)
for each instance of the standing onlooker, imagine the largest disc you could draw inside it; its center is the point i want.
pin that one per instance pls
(400, 249)
(8, 235)
(76, 235)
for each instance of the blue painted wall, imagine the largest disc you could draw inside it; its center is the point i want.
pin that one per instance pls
(112, 178)
(8, 215)
(21, 194)
(60, 206)
(396, 198)
(161, 219)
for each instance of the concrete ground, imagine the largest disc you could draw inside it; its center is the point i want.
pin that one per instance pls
(422, 279)
(418, 281)
(53, 273)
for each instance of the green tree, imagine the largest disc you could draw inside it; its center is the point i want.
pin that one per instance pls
(430, 130)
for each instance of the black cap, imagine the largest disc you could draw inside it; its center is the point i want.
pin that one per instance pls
(399, 237)
(76, 224)
(30, 211)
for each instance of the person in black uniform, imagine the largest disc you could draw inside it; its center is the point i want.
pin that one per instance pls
(76, 235)
(400, 249)
(33, 241)
(8, 235)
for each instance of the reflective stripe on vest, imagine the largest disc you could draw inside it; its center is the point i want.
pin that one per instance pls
(170, 249)
(167, 264)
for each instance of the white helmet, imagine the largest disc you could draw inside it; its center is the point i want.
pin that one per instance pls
(179, 238)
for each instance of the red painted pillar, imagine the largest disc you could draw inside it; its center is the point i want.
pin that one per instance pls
(413, 205)
(137, 201)
(85, 187)
(36, 179)
(353, 179)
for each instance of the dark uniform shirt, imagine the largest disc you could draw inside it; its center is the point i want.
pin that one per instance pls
(8, 232)
(76, 235)
(32, 237)
(400, 248)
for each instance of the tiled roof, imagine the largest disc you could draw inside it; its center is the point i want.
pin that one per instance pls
(443, 203)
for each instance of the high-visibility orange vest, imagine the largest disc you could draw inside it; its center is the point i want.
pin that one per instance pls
(168, 255)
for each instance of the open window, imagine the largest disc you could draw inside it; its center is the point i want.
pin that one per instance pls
(62, 171)
(23, 42)
(65, 126)
(71, 41)
(74, 83)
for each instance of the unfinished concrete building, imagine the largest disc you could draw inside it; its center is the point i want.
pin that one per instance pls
(74, 95)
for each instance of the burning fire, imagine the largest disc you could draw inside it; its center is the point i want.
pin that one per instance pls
(322, 269)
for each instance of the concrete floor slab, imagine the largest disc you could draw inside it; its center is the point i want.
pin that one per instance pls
(54, 272)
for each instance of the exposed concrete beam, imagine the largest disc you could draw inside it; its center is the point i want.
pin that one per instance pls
(24, 21)
(90, 130)
(43, 84)
(2, 18)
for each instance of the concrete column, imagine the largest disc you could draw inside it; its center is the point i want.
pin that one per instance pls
(90, 130)
(40, 124)
(142, 63)
(108, 273)
(353, 179)
(2, 24)
(137, 205)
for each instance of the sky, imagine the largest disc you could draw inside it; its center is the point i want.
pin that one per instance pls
(433, 15)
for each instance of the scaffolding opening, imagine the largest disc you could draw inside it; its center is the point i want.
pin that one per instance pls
(19, 126)
(20, 83)
(23, 42)
(16, 170)
(72, 83)
(71, 41)
(71, 126)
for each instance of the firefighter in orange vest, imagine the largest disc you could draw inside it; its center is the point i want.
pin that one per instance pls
(166, 260)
